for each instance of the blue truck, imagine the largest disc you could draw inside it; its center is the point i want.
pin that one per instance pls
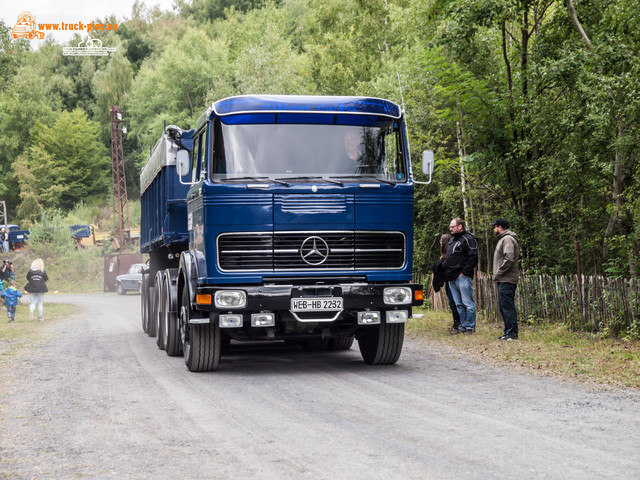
(280, 218)
(17, 237)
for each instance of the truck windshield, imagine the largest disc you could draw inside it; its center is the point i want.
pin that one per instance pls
(303, 152)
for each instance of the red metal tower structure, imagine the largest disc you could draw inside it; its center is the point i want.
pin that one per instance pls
(121, 229)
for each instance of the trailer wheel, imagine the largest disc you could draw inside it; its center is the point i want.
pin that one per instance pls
(340, 343)
(200, 342)
(172, 344)
(153, 309)
(144, 303)
(159, 316)
(382, 345)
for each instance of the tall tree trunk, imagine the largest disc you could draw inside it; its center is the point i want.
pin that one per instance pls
(463, 180)
(576, 23)
(619, 175)
(505, 56)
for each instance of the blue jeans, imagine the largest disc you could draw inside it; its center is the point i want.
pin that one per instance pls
(506, 300)
(36, 299)
(452, 306)
(11, 312)
(462, 292)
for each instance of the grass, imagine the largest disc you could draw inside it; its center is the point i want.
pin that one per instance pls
(548, 349)
(73, 271)
(24, 332)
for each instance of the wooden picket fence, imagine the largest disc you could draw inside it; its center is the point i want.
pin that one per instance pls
(590, 303)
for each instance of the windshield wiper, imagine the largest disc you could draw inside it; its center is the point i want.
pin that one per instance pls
(321, 179)
(370, 177)
(233, 179)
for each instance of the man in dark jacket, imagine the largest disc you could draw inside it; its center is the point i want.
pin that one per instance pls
(506, 274)
(460, 263)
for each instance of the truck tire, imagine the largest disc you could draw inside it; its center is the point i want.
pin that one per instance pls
(172, 344)
(144, 303)
(340, 343)
(153, 308)
(200, 342)
(159, 317)
(382, 345)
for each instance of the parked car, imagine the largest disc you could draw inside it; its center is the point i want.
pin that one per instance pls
(130, 281)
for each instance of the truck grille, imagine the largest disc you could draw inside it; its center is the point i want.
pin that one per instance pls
(310, 251)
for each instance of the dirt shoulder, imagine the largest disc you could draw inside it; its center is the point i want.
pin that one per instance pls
(543, 349)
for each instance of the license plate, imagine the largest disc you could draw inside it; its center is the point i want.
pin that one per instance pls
(316, 304)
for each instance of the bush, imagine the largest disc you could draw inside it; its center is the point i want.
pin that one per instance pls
(50, 236)
(69, 269)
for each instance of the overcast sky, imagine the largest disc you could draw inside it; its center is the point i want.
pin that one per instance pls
(70, 11)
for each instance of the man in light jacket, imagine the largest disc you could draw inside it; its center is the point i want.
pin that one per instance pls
(506, 274)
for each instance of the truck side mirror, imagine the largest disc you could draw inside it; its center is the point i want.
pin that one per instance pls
(183, 165)
(427, 164)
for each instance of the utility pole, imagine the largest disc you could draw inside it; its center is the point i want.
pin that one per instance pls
(3, 215)
(122, 231)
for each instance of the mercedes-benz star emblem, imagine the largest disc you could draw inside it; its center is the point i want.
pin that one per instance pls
(314, 251)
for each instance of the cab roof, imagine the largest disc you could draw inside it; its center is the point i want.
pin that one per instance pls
(306, 104)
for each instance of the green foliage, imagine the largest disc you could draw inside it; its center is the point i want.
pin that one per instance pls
(65, 164)
(547, 129)
(11, 55)
(69, 269)
(209, 10)
(174, 87)
(50, 235)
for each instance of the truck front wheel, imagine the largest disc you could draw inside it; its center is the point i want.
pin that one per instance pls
(200, 342)
(382, 345)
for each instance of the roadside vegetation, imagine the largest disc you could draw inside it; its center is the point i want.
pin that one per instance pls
(549, 349)
(70, 269)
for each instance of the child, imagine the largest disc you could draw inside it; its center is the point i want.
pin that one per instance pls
(11, 295)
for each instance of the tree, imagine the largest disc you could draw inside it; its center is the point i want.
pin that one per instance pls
(66, 163)
(12, 54)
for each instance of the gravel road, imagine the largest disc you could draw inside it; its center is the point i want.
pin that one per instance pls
(99, 400)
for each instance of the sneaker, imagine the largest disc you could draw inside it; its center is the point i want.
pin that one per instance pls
(40, 318)
(454, 331)
(469, 331)
(508, 337)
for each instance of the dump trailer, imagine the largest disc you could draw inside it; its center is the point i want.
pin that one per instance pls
(280, 218)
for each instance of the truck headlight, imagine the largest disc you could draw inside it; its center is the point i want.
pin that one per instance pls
(265, 319)
(397, 295)
(368, 318)
(231, 320)
(230, 299)
(397, 316)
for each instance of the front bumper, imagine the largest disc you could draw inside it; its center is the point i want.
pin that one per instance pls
(357, 297)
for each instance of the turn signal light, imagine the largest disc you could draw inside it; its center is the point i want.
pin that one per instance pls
(203, 299)
(418, 295)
